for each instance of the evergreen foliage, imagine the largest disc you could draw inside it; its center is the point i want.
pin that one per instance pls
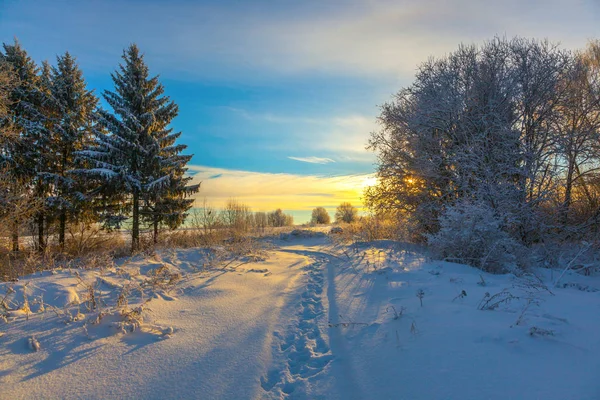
(135, 157)
(73, 106)
(27, 157)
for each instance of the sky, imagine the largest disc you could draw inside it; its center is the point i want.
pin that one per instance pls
(278, 98)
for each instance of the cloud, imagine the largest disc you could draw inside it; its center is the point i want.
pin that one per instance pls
(313, 160)
(369, 37)
(268, 191)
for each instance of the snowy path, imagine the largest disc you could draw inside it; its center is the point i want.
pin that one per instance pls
(312, 324)
(302, 346)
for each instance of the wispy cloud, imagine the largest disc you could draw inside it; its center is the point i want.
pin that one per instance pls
(370, 37)
(267, 191)
(313, 160)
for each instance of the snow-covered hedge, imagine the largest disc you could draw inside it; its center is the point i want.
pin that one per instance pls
(471, 233)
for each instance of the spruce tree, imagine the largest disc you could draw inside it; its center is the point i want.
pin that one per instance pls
(137, 155)
(73, 106)
(170, 205)
(28, 155)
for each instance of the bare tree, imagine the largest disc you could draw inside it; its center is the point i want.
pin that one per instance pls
(277, 218)
(237, 216)
(320, 216)
(346, 212)
(208, 217)
(577, 124)
(261, 220)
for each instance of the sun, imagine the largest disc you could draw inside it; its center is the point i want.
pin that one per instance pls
(369, 181)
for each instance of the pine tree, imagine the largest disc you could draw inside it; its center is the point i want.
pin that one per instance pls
(137, 156)
(169, 206)
(28, 155)
(16, 200)
(73, 106)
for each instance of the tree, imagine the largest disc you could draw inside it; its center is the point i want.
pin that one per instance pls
(17, 203)
(346, 212)
(27, 157)
(578, 125)
(170, 206)
(136, 157)
(320, 216)
(261, 220)
(71, 130)
(236, 216)
(206, 218)
(277, 218)
(475, 125)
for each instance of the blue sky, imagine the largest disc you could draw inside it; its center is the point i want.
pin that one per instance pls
(277, 98)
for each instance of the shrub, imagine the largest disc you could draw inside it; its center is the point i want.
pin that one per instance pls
(472, 233)
(236, 216)
(278, 219)
(346, 212)
(320, 216)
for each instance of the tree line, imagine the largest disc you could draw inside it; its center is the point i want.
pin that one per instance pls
(509, 129)
(65, 159)
(237, 217)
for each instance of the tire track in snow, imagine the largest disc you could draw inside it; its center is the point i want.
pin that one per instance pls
(305, 351)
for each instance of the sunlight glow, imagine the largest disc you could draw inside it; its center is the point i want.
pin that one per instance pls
(268, 191)
(369, 181)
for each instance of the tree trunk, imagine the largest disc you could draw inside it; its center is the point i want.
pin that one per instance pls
(63, 213)
(583, 185)
(155, 231)
(135, 229)
(41, 239)
(15, 237)
(62, 228)
(568, 190)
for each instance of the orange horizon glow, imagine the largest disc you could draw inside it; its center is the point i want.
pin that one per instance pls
(269, 191)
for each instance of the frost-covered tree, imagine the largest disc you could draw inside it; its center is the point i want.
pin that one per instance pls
(346, 212)
(473, 233)
(475, 125)
(73, 107)
(17, 203)
(320, 216)
(136, 157)
(577, 123)
(170, 206)
(27, 157)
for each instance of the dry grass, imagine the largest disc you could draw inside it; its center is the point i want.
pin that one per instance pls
(368, 229)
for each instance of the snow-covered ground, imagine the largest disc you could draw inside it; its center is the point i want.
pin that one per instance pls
(311, 321)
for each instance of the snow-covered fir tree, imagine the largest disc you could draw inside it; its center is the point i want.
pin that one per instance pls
(27, 157)
(136, 155)
(73, 107)
(169, 206)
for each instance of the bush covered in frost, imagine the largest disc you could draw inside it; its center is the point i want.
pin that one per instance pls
(471, 233)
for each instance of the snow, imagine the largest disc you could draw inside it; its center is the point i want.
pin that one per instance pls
(314, 320)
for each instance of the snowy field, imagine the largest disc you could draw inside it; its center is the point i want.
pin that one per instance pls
(311, 321)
